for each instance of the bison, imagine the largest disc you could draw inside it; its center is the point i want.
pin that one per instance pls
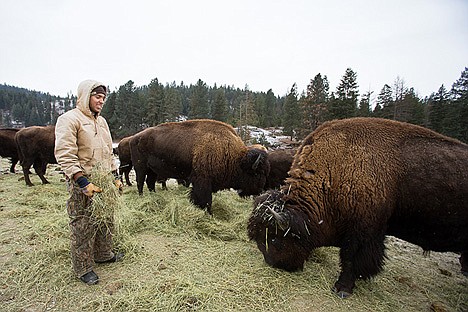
(125, 158)
(280, 163)
(126, 165)
(36, 147)
(354, 181)
(9, 149)
(207, 153)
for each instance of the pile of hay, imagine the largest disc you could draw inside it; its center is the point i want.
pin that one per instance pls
(179, 258)
(104, 204)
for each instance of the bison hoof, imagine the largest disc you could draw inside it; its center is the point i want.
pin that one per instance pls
(343, 294)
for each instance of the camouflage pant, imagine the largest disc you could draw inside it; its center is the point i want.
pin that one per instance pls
(89, 242)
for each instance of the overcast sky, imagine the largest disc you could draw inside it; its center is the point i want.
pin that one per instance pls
(52, 45)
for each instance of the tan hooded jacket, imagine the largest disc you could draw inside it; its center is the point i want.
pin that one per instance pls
(82, 139)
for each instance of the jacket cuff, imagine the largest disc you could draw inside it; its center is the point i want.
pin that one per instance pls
(82, 181)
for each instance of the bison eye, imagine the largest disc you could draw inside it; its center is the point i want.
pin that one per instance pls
(276, 243)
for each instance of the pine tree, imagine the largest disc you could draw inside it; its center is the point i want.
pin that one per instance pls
(260, 108)
(292, 118)
(109, 112)
(173, 103)
(220, 108)
(414, 108)
(129, 110)
(457, 116)
(345, 103)
(437, 109)
(384, 106)
(314, 104)
(155, 105)
(271, 110)
(250, 114)
(364, 109)
(199, 105)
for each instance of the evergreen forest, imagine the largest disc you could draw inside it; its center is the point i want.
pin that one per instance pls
(132, 108)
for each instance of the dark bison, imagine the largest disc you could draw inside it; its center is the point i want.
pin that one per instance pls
(125, 158)
(354, 181)
(9, 150)
(207, 153)
(280, 163)
(126, 165)
(36, 148)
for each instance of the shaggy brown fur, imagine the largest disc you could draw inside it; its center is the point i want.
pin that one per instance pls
(36, 147)
(8, 146)
(207, 153)
(354, 181)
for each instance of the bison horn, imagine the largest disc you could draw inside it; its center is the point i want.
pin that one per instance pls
(257, 161)
(281, 219)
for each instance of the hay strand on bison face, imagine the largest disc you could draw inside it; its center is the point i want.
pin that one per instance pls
(104, 204)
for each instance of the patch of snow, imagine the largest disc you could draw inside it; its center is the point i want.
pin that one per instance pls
(274, 136)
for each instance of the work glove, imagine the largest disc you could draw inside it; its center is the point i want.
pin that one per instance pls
(87, 187)
(90, 189)
(119, 185)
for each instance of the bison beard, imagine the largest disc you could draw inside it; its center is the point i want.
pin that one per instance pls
(354, 181)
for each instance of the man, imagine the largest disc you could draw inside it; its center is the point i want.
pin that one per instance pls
(82, 141)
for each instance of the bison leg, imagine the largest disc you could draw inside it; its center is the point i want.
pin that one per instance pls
(124, 171)
(127, 178)
(14, 161)
(40, 167)
(201, 196)
(464, 262)
(163, 185)
(359, 260)
(151, 181)
(26, 166)
(140, 178)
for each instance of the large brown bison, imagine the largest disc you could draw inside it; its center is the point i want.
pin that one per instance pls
(8, 146)
(354, 181)
(280, 163)
(207, 153)
(36, 148)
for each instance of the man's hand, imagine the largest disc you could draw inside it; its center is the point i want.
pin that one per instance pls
(90, 189)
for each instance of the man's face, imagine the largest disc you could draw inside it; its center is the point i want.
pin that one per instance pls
(96, 102)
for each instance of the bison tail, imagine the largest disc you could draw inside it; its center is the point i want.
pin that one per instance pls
(19, 150)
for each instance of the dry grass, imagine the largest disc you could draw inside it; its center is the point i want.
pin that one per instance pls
(178, 258)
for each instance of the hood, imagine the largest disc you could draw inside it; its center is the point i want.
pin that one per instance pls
(84, 93)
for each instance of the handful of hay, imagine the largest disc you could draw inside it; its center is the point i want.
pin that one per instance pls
(104, 204)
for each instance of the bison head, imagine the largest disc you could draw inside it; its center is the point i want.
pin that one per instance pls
(278, 232)
(254, 170)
